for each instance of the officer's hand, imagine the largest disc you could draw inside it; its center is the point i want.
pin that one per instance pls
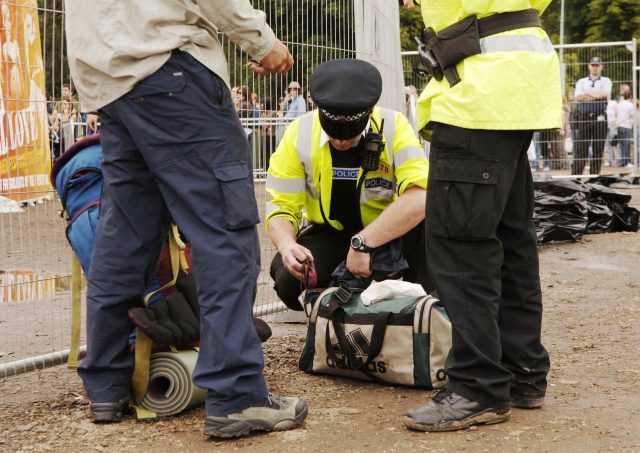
(359, 263)
(409, 4)
(279, 60)
(293, 257)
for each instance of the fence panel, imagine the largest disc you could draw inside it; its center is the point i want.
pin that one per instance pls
(35, 263)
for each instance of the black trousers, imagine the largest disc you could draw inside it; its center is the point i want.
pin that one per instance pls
(330, 247)
(482, 256)
(588, 132)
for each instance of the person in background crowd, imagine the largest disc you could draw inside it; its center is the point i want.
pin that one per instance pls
(236, 96)
(246, 106)
(481, 241)
(269, 113)
(310, 104)
(410, 102)
(255, 102)
(551, 142)
(567, 104)
(541, 156)
(280, 113)
(294, 103)
(67, 94)
(68, 117)
(293, 106)
(242, 101)
(624, 114)
(173, 148)
(54, 129)
(590, 118)
(611, 142)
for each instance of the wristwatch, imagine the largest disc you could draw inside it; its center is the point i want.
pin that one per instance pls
(357, 243)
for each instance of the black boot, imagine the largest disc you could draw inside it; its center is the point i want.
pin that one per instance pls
(522, 401)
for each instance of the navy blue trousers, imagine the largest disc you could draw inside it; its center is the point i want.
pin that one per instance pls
(174, 148)
(483, 258)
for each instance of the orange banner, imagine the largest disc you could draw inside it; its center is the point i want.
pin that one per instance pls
(25, 159)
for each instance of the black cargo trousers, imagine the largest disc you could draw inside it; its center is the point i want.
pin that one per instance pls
(483, 259)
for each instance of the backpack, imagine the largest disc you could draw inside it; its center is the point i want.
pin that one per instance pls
(77, 177)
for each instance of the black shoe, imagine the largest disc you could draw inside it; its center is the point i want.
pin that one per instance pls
(448, 411)
(110, 412)
(526, 401)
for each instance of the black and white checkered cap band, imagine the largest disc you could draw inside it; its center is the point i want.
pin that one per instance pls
(344, 118)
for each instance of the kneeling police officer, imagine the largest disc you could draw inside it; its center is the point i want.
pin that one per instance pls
(356, 173)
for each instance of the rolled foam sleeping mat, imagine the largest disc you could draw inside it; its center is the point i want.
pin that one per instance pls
(171, 389)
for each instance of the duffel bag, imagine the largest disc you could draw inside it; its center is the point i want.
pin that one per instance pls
(403, 340)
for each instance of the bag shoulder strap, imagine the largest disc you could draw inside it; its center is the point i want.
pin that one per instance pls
(336, 314)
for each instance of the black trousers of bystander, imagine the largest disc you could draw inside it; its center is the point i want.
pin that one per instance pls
(483, 259)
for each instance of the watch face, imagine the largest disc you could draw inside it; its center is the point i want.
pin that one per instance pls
(356, 242)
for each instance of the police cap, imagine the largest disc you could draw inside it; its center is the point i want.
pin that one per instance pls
(345, 91)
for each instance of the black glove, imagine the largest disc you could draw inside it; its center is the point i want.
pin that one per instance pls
(262, 329)
(169, 321)
(187, 286)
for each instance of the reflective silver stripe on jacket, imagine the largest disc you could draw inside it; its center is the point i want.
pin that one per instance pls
(303, 148)
(406, 154)
(516, 43)
(377, 192)
(271, 207)
(285, 185)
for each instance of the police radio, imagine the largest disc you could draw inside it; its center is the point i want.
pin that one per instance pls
(373, 147)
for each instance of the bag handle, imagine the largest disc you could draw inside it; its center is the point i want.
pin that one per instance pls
(336, 314)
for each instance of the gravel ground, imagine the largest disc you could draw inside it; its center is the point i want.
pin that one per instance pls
(591, 328)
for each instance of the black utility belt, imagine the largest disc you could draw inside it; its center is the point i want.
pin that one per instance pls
(440, 52)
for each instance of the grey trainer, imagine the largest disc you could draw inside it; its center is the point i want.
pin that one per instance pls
(110, 412)
(277, 414)
(448, 411)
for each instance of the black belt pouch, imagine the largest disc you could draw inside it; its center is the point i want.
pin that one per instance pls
(456, 42)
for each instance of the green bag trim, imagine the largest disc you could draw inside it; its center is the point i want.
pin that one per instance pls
(399, 305)
(421, 376)
(306, 359)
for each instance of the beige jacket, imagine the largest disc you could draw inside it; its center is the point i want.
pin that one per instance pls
(113, 44)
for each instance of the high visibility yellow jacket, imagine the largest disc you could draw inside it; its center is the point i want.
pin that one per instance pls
(513, 84)
(301, 173)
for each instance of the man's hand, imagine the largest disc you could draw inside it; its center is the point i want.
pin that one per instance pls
(92, 121)
(279, 60)
(293, 257)
(409, 4)
(359, 263)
